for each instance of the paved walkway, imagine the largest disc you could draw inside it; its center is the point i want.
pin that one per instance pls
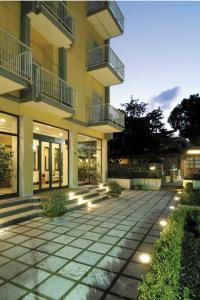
(89, 254)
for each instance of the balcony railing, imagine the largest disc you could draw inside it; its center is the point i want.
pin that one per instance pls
(105, 112)
(53, 87)
(93, 6)
(102, 55)
(15, 56)
(59, 11)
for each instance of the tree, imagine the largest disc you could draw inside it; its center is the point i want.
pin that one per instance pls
(185, 118)
(155, 118)
(134, 108)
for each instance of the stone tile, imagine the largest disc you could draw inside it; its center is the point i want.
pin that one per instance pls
(32, 257)
(11, 292)
(154, 232)
(6, 234)
(74, 270)
(107, 225)
(33, 243)
(68, 252)
(76, 232)
(130, 244)
(85, 227)
(34, 224)
(81, 243)
(3, 260)
(129, 223)
(122, 227)
(112, 297)
(118, 233)
(99, 278)
(82, 292)
(136, 270)
(64, 239)
(136, 256)
(140, 230)
(121, 252)
(50, 247)
(134, 236)
(150, 239)
(15, 251)
(55, 287)
(100, 229)
(20, 229)
(31, 278)
(31, 296)
(100, 247)
(93, 222)
(112, 264)
(12, 269)
(109, 239)
(89, 258)
(49, 235)
(146, 247)
(34, 232)
(47, 227)
(60, 229)
(52, 263)
(18, 239)
(5, 245)
(126, 287)
(92, 236)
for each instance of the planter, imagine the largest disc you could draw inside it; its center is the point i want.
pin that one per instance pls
(147, 183)
(112, 194)
(196, 183)
(125, 183)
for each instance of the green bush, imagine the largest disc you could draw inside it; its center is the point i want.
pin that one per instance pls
(190, 197)
(55, 204)
(193, 176)
(114, 188)
(162, 281)
(188, 187)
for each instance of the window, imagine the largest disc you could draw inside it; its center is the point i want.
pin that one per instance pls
(193, 162)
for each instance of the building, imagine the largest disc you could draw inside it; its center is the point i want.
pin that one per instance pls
(56, 69)
(190, 161)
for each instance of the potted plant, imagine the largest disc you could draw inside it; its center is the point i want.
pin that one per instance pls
(114, 189)
(6, 163)
(55, 204)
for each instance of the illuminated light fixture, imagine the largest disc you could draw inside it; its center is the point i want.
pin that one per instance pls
(80, 200)
(100, 185)
(60, 134)
(163, 223)
(107, 189)
(152, 168)
(37, 128)
(172, 207)
(180, 192)
(193, 151)
(86, 160)
(71, 194)
(176, 198)
(89, 203)
(2, 120)
(34, 147)
(145, 258)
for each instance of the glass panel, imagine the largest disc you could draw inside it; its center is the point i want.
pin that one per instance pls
(36, 168)
(50, 131)
(8, 164)
(56, 165)
(8, 123)
(64, 165)
(45, 180)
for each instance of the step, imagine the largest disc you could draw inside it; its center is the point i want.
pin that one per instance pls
(17, 201)
(15, 209)
(84, 196)
(14, 219)
(76, 206)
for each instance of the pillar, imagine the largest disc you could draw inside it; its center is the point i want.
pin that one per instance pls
(104, 160)
(73, 159)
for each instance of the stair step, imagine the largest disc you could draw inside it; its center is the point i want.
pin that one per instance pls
(85, 196)
(15, 209)
(14, 219)
(75, 206)
(14, 202)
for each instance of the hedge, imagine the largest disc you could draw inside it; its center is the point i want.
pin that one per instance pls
(173, 274)
(162, 281)
(193, 176)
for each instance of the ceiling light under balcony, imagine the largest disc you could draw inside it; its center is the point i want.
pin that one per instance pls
(2, 120)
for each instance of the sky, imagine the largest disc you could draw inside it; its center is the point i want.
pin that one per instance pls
(160, 49)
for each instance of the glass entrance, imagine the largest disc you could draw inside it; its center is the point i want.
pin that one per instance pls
(89, 160)
(50, 160)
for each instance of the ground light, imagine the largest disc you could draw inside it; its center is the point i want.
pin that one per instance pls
(180, 192)
(107, 189)
(145, 258)
(80, 200)
(176, 198)
(172, 207)
(163, 223)
(100, 185)
(89, 203)
(71, 194)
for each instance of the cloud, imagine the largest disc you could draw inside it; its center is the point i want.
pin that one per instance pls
(166, 98)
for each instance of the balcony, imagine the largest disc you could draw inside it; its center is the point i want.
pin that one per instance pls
(15, 63)
(105, 66)
(51, 94)
(54, 21)
(105, 118)
(106, 17)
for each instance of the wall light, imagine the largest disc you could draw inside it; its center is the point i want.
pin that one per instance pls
(193, 151)
(60, 134)
(163, 223)
(2, 120)
(37, 128)
(145, 258)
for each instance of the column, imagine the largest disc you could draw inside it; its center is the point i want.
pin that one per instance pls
(104, 160)
(73, 159)
(26, 156)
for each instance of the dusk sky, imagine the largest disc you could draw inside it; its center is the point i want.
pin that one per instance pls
(161, 52)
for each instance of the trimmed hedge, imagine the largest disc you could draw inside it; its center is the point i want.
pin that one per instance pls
(173, 274)
(190, 197)
(193, 176)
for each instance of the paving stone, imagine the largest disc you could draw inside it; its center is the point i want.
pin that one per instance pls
(128, 243)
(117, 233)
(20, 229)
(11, 292)
(100, 229)
(100, 247)
(136, 270)
(89, 258)
(15, 251)
(50, 247)
(76, 232)
(85, 227)
(150, 239)
(68, 252)
(121, 252)
(107, 225)
(34, 232)
(126, 287)
(112, 297)
(6, 234)
(18, 239)
(99, 278)
(134, 236)
(31, 296)
(32, 257)
(74, 270)
(34, 224)
(92, 236)
(47, 227)
(11, 269)
(112, 264)
(109, 239)
(55, 287)
(5, 245)
(33, 243)
(31, 278)
(64, 239)
(81, 243)
(146, 247)
(49, 235)
(52, 263)
(3, 260)
(82, 292)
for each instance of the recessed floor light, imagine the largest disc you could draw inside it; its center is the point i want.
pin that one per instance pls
(163, 223)
(176, 198)
(145, 258)
(172, 207)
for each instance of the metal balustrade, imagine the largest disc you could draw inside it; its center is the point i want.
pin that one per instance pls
(15, 56)
(105, 112)
(93, 6)
(60, 12)
(53, 87)
(105, 54)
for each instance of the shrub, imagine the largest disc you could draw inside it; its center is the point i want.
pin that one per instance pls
(193, 176)
(162, 281)
(190, 197)
(114, 188)
(55, 204)
(188, 187)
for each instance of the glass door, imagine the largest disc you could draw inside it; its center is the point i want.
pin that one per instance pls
(56, 165)
(45, 165)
